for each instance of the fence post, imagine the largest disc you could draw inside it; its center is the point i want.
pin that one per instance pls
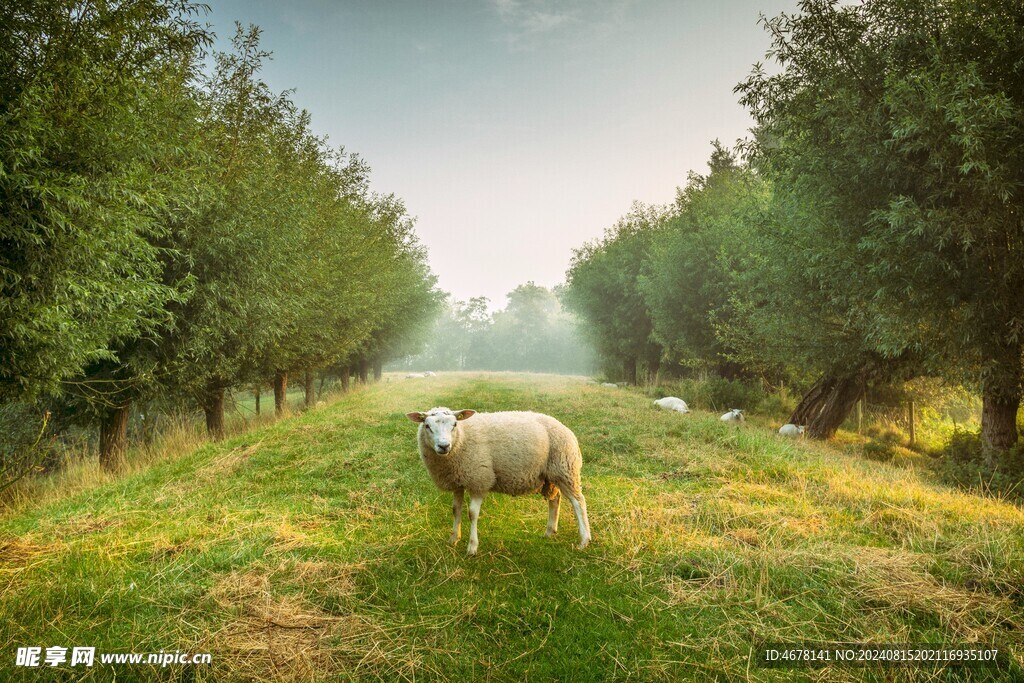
(913, 426)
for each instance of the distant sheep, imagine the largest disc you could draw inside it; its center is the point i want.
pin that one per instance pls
(672, 403)
(428, 373)
(791, 430)
(610, 385)
(734, 415)
(508, 452)
(413, 375)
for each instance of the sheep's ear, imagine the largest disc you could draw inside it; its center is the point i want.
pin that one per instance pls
(416, 417)
(464, 414)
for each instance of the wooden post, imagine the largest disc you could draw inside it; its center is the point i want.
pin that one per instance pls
(860, 415)
(913, 426)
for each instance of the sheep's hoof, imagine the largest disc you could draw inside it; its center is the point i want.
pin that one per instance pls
(584, 543)
(454, 538)
(471, 549)
(550, 532)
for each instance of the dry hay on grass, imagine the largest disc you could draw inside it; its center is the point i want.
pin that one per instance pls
(894, 584)
(229, 462)
(18, 556)
(87, 524)
(275, 636)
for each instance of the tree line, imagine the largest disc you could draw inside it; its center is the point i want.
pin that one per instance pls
(533, 333)
(169, 226)
(869, 231)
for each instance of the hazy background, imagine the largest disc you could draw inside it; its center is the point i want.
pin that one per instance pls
(514, 130)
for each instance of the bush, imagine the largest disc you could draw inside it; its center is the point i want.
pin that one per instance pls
(24, 441)
(965, 464)
(725, 394)
(880, 450)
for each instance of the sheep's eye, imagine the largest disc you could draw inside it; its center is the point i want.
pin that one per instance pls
(427, 426)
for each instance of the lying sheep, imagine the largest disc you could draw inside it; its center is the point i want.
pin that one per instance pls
(672, 403)
(734, 415)
(509, 452)
(413, 375)
(791, 430)
(610, 385)
(428, 373)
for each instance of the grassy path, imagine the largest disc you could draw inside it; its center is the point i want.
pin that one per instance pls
(315, 549)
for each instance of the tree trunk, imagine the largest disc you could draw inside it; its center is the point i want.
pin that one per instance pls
(998, 424)
(114, 437)
(310, 388)
(1000, 402)
(256, 395)
(320, 389)
(280, 392)
(837, 407)
(364, 372)
(213, 407)
(629, 368)
(810, 405)
(346, 374)
(378, 370)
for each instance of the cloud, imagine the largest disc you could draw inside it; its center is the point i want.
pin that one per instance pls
(530, 22)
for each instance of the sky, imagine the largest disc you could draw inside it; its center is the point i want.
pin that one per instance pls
(514, 130)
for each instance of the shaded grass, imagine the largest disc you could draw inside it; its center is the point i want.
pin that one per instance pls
(314, 549)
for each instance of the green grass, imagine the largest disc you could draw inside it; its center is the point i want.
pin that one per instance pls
(315, 549)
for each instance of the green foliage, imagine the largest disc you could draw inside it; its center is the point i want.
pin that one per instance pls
(88, 175)
(690, 276)
(603, 288)
(893, 131)
(968, 464)
(166, 233)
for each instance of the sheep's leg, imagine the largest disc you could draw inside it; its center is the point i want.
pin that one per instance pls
(475, 501)
(458, 498)
(553, 502)
(579, 506)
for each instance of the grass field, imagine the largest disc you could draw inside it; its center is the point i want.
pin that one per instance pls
(314, 549)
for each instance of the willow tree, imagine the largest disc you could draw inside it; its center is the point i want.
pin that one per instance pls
(94, 164)
(899, 124)
(690, 279)
(85, 179)
(603, 289)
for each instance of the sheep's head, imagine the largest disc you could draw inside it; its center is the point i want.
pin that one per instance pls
(438, 426)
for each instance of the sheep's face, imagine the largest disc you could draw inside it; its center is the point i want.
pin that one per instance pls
(439, 427)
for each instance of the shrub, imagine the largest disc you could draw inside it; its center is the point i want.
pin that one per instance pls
(965, 464)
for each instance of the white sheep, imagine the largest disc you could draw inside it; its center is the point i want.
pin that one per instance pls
(507, 452)
(609, 385)
(413, 375)
(791, 430)
(428, 373)
(672, 403)
(734, 415)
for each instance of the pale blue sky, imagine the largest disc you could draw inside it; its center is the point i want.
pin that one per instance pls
(514, 130)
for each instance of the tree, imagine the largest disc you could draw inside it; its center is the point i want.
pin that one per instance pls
(87, 179)
(603, 289)
(691, 275)
(898, 126)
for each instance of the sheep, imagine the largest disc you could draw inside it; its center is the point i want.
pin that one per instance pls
(506, 452)
(734, 415)
(791, 430)
(672, 403)
(610, 385)
(413, 375)
(428, 373)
